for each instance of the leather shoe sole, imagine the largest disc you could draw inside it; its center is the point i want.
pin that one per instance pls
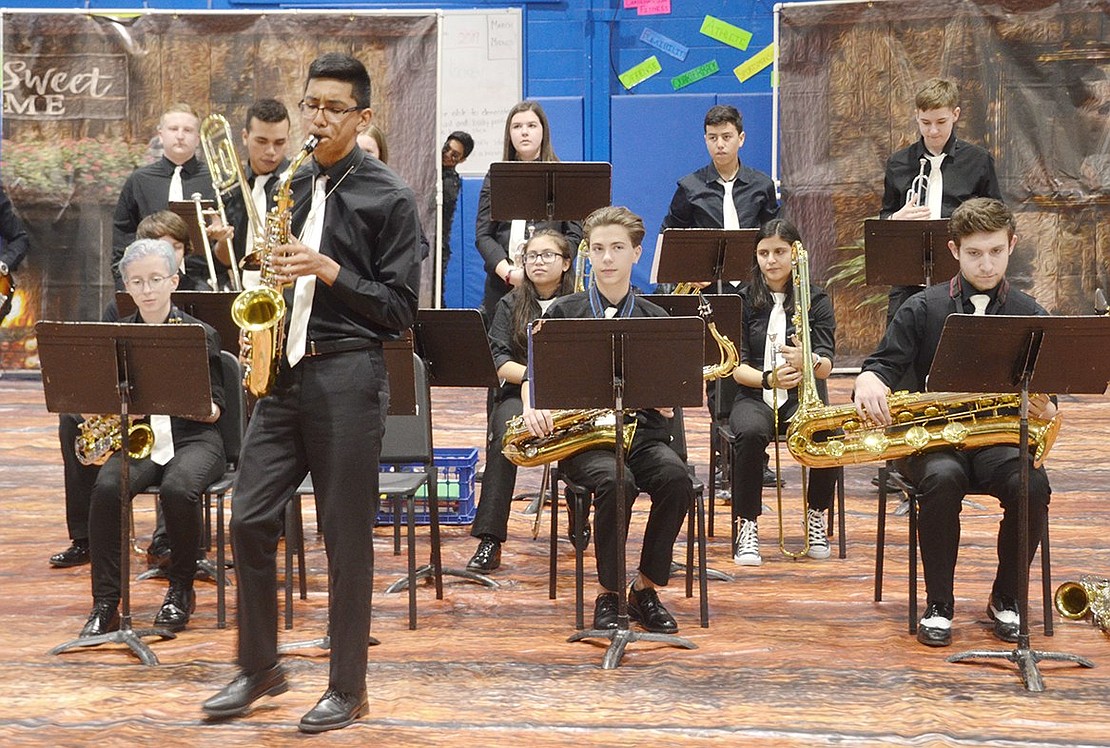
(333, 712)
(236, 698)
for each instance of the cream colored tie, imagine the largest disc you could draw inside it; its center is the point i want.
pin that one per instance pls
(177, 192)
(306, 284)
(732, 221)
(258, 195)
(776, 331)
(162, 452)
(980, 302)
(936, 186)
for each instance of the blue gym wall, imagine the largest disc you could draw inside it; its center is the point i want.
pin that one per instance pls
(573, 52)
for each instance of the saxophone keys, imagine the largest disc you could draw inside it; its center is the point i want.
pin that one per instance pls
(954, 432)
(917, 436)
(876, 442)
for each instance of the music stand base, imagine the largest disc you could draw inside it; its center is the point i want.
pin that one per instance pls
(427, 572)
(710, 572)
(206, 572)
(324, 643)
(620, 638)
(1026, 659)
(133, 638)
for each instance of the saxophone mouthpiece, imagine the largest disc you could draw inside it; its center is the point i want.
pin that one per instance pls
(310, 143)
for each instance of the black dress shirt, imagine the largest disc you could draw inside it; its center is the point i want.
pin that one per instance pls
(147, 191)
(237, 212)
(452, 184)
(753, 344)
(184, 428)
(492, 239)
(650, 424)
(967, 172)
(15, 242)
(911, 339)
(698, 201)
(372, 230)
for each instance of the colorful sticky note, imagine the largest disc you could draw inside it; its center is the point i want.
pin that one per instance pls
(630, 4)
(639, 73)
(694, 75)
(664, 44)
(726, 33)
(755, 63)
(653, 8)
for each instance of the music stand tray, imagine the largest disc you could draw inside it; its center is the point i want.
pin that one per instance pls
(907, 253)
(548, 190)
(95, 367)
(593, 363)
(704, 256)
(995, 353)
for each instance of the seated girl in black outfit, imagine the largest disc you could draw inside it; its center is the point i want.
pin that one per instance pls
(547, 258)
(770, 356)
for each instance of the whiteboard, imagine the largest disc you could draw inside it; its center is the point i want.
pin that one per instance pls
(481, 73)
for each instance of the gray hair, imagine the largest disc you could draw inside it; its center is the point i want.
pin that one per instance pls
(148, 248)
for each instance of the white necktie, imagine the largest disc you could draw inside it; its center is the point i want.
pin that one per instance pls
(162, 452)
(517, 229)
(306, 284)
(732, 221)
(980, 302)
(776, 331)
(177, 192)
(610, 312)
(936, 185)
(258, 195)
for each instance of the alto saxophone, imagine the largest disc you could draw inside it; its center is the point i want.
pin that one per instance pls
(1088, 595)
(100, 436)
(822, 435)
(260, 312)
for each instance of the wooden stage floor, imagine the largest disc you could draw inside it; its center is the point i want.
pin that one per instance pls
(796, 654)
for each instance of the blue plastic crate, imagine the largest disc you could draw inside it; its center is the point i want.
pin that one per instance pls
(455, 491)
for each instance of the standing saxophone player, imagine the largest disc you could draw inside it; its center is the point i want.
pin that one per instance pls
(355, 257)
(982, 241)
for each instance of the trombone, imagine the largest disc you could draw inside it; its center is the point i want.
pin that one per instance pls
(227, 171)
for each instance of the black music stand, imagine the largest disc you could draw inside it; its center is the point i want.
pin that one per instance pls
(593, 363)
(548, 190)
(90, 367)
(980, 353)
(402, 402)
(213, 307)
(704, 256)
(454, 347)
(907, 253)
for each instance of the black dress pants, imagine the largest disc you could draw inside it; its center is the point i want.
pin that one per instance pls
(753, 423)
(325, 416)
(499, 479)
(654, 468)
(943, 478)
(197, 462)
(79, 479)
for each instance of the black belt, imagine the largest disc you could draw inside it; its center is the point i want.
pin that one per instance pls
(342, 345)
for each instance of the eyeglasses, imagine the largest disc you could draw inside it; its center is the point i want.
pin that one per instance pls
(530, 258)
(331, 113)
(451, 154)
(137, 284)
(599, 252)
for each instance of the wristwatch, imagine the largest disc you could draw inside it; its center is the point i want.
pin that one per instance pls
(3, 268)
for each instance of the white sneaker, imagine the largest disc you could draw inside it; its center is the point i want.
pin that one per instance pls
(818, 539)
(747, 544)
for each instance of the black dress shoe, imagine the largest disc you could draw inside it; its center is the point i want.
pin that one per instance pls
(177, 607)
(644, 608)
(935, 627)
(1003, 611)
(103, 618)
(235, 699)
(605, 611)
(158, 553)
(488, 555)
(769, 479)
(334, 710)
(76, 555)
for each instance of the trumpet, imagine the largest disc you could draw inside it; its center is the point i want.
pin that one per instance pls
(226, 171)
(915, 195)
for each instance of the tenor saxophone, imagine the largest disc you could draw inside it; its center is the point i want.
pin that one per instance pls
(574, 431)
(260, 312)
(822, 436)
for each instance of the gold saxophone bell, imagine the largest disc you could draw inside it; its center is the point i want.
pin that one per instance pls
(258, 309)
(1088, 595)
